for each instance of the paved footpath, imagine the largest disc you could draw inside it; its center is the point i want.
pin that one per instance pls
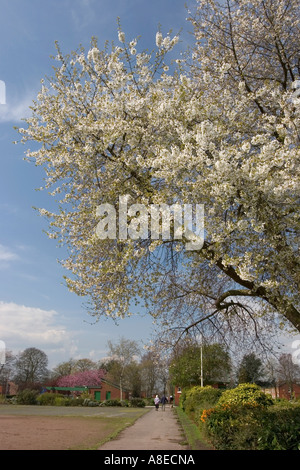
(155, 430)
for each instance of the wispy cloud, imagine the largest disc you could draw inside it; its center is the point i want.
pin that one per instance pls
(82, 13)
(7, 256)
(8, 208)
(16, 110)
(22, 326)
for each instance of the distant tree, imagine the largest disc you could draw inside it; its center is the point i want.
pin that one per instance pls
(84, 364)
(133, 378)
(123, 353)
(63, 369)
(250, 369)
(150, 372)
(185, 369)
(108, 364)
(270, 372)
(216, 363)
(31, 368)
(288, 372)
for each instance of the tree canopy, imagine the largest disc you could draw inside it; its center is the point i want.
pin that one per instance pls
(250, 369)
(31, 368)
(221, 129)
(185, 367)
(86, 378)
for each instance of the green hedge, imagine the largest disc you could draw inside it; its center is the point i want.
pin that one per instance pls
(200, 397)
(112, 402)
(133, 402)
(51, 399)
(137, 403)
(280, 428)
(27, 397)
(196, 399)
(55, 399)
(253, 427)
(243, 418)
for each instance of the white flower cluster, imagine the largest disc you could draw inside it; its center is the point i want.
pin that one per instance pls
(121, 37)
(166, 43)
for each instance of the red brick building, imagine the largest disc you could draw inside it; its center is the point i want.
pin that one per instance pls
(9, 389)
(284, 390)
(106, 391)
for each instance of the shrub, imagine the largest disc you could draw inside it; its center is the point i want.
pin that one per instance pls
(78, 401)
(201, 397)
(149, 401)
(48, 398)
(232, 427)
(89, 402)
(110, 403)
(182, 399)
(280, 428)
(60, 401)
(253, 427)
(27, 397)
(197, 399)
(245, 394)
(283, 402)
(93, 403)
(86, 396)
(137, 403)
(124, 403)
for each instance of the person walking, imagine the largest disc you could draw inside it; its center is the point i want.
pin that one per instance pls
(163, 402)
(156, 402)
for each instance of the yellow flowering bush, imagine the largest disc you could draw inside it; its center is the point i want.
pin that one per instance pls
(246, 394)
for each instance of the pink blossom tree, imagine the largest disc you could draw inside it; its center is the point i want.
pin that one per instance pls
(81, 379)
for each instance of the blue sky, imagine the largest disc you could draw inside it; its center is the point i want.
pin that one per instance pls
(36, 309)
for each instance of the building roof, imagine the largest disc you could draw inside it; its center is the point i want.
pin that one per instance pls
(81, 389)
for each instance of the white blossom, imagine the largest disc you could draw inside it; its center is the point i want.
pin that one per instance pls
(225, 134)
(159, 39)
(121, 36)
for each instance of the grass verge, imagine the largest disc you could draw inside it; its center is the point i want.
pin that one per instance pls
(192, 433)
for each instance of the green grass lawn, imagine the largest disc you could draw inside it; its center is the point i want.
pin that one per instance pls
(192, 433)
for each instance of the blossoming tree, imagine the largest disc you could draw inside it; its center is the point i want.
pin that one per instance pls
(221, 130)
(87, 378)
